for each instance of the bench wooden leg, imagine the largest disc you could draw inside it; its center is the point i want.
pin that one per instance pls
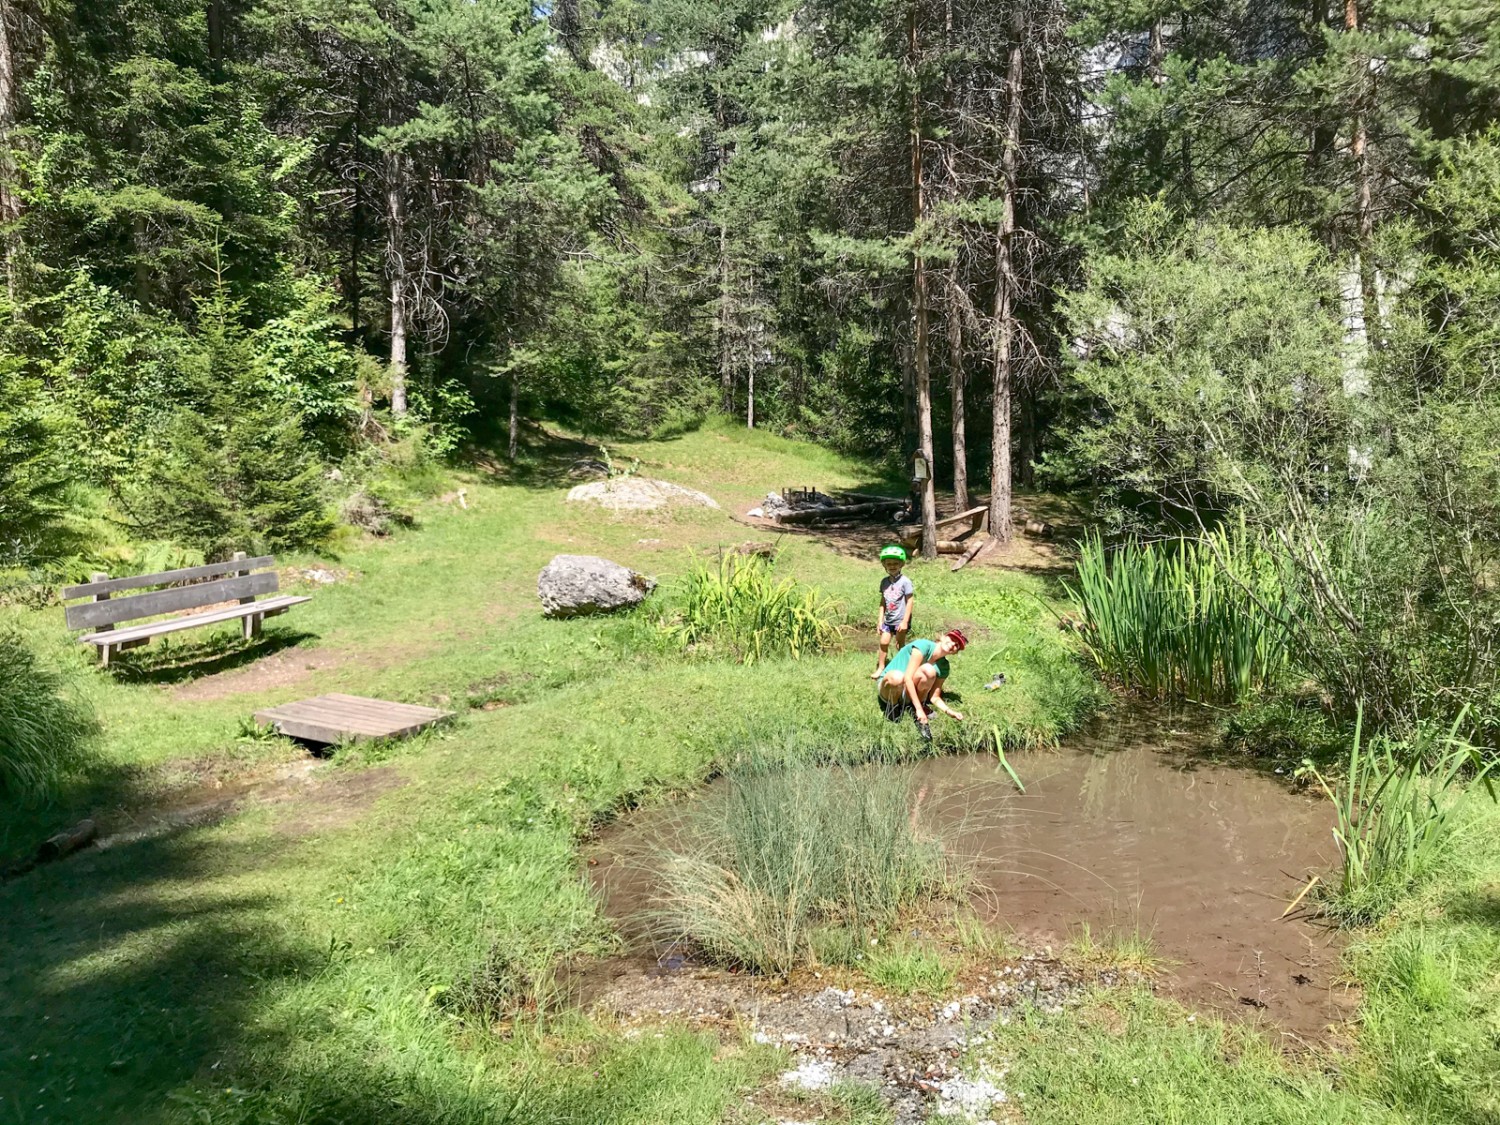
(104, 651)
(252, 626)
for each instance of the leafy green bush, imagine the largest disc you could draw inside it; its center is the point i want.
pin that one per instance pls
(44, 734)
(1189, 617)
(739, 607)
(1394, 810)
(782, 855)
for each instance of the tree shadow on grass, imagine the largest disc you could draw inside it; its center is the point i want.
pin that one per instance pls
(1481, 907)
(125, 972)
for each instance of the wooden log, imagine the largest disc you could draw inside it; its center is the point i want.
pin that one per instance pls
(968, 556)
(842, 511)
(65, 843)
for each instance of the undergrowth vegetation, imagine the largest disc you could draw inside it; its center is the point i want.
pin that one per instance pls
(45, 731)
(784, 852)
(1395, 814)
(739, 607)
(1184, 617)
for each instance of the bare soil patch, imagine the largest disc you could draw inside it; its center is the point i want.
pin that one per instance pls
(910, 1049)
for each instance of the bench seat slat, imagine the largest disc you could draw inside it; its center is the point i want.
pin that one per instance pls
(165, 577)
(158, 628)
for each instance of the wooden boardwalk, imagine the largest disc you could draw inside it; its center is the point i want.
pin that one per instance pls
(338, 718)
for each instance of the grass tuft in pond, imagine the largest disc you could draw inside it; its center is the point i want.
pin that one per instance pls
(739, 607)
(784, 854)
(1186, 617)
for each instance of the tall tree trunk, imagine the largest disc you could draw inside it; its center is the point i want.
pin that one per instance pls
(921, 357)
(908, 397)
(1359, 151)
(749, 384)
(216, 18)
(726, 345)
(955, 293)
(513, 449)
(10, 198)
(396, 264)
(357, 217)
(956, 390)
(1005, 296)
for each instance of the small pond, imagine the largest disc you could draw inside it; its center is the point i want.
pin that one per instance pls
(1128, 829)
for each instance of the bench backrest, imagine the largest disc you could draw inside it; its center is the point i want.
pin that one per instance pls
(187, 589)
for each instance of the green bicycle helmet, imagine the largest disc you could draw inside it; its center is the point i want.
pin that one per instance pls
(893, 552)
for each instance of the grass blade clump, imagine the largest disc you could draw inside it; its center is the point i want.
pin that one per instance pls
(1394, 811)
(44, 734)
(738, 606)
(784, 853)
(1184, 617)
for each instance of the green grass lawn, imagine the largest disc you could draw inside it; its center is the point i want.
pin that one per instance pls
(382, 947)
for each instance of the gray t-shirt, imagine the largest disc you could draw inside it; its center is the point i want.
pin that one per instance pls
(894, 594)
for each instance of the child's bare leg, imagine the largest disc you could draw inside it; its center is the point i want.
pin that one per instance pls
(885, 652)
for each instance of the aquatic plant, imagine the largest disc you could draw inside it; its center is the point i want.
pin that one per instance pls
(1395, 810)
(785, 852)
(44, 734)
(741, 607)
(1183, 617)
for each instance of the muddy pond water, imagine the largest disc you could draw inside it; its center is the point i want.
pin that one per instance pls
(1127, 830)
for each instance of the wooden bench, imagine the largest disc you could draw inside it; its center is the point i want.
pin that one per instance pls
(191, 588)
(952, 531)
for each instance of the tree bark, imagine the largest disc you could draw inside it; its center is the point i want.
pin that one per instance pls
(513, 449)
(750, 385)
(10, 199)
(920, 348)
(1364, 203)
(726, 347)
(396, 264)
(956, 392)
(1005, 294)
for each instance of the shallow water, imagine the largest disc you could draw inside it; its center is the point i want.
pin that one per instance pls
(1126, 830)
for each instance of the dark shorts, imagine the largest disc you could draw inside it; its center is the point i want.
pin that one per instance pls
(892, 711)
(887, 627)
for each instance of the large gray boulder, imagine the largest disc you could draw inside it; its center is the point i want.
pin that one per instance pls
(576, 585)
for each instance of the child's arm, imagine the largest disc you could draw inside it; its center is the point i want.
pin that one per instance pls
(906, 617)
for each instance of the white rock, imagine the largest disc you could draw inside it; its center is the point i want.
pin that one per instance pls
(637, 494)
(816, 1074)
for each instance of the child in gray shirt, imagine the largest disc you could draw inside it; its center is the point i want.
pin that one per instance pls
(896, 595)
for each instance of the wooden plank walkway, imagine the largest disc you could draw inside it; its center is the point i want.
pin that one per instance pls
(337, 717)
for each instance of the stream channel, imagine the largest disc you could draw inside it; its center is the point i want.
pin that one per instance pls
(1127, 829)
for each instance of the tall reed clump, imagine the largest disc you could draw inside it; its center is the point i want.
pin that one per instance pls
(781, 854)
(1185, 617)
(1395, 814)
(739, 605)
(44, 734)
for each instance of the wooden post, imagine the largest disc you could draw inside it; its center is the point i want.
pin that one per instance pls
(100, 576)
(251, 624)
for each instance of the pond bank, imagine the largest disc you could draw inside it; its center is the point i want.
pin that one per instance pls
(1126, 837)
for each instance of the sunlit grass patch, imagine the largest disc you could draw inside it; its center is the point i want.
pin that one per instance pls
(909, 968)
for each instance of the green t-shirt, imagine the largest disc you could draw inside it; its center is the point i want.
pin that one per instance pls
(925, 648)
